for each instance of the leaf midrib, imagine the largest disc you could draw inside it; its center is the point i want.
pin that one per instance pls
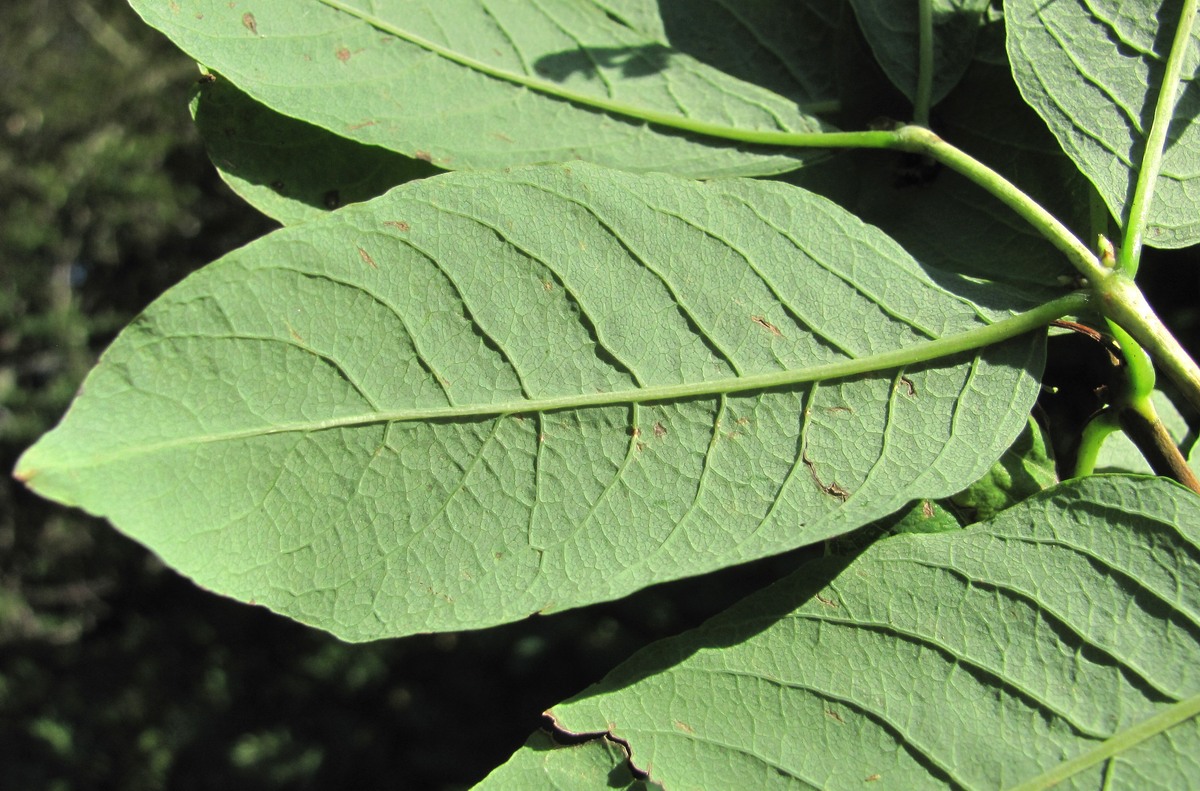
(968, 340)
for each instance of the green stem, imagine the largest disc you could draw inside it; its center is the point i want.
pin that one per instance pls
(1123, 302)
(918, 140)
(1139, 369)
(924, 96)
(1164, 112)
(1095, 432)
(1122, 742)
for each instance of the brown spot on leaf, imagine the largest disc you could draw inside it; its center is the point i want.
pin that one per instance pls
(635, 432)
(927, 509)
(502, 136)
(831, 488)
(660, 431)
(250, 23)
(762, 322)
(872, 778)
(833, 715)
(343, 54)
(293, 333)
(833, 410)
(827, 602)
(399, 225)
(909, 388)
(363, 125)
(367, 259)
(683, 726)
(547, 285)
(742, 421)
(424, 156)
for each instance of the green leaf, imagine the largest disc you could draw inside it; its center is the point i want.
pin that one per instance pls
(287, 169)
(487, 395)
(1093, 71)
(892, 32)
(544, 764)
(471, 85)
(1059, 642)
(1025, 469)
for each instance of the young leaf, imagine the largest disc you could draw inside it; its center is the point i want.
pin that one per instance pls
(1060, 641)
(891, 30)
(470, 85)
(487, 395)
(1093, 71)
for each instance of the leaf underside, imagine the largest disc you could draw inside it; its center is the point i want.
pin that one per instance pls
(468, 85)
(1060, 640)
(488, 395)
(1093, 70)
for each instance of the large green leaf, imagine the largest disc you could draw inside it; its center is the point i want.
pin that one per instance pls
(1092, 69)
(485, 395)
(466, 84)
(293, 171)
(1063, 637)
(892, 31)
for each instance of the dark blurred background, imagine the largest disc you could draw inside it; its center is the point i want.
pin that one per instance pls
(115, 673)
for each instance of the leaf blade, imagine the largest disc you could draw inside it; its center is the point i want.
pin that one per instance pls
(1092, 71)
(426, 412)
(898, 667)
(468, 85)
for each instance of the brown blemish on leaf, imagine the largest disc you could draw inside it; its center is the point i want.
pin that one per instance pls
(927, 509)
(909, 387)
(249, 22)
(343, 54)
(207, 78)
(742, 421)
(660, 431)
(872, 778)
(293, 333)
(502, 136)
(762, 322)
(635, 432)
(833, 715)
(399, 225)
(683, 726)
(367, 259)
(424, 156)
(547, 286)
(641, 446)
(363, 125)
(827, 602)
(831, 489)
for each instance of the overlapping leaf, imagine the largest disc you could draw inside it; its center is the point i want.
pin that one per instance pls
(486, 395)
(290, 170)
(467, 84)
(1093, 70)
(542, 764)
(892, 31)
(1062, 637)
